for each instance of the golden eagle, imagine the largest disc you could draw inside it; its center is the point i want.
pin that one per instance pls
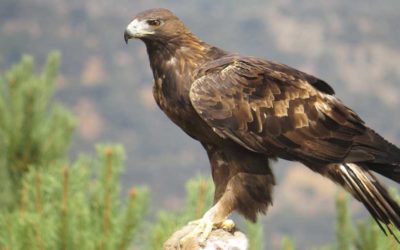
(246, 111)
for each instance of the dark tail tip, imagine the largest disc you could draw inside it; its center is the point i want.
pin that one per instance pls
(366, 188)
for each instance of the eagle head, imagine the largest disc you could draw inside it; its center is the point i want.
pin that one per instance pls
(154, 24)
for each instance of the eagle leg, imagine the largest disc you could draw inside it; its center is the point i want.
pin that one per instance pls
(214, 218)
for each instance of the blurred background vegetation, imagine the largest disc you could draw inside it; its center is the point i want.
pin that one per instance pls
(353, 45)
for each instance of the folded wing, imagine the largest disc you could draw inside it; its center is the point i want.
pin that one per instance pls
(274, 109)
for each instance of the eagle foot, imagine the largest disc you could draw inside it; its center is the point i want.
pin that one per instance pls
(203, 228)
(228, 225)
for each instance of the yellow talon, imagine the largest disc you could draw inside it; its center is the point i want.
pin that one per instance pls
(228, 225)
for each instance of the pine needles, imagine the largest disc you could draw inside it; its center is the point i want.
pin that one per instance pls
(48, 203)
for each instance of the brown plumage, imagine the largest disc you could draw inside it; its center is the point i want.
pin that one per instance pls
(246, 110)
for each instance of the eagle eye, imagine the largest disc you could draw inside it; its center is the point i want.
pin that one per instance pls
(154, 22)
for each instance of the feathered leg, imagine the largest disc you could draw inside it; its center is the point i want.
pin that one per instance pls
(243, 182)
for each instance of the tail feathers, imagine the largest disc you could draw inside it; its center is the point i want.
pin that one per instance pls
(383, 154)
(391, 171)
(364, 186)
(389, 151)
(377, 154)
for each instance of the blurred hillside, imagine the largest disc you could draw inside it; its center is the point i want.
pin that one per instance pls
(353, 45)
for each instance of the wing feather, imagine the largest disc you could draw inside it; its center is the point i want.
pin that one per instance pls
(272, 108)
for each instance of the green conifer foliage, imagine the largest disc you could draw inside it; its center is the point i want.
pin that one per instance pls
(287, 244)
(254, 233)
(47, 203)
(70, 207)
(344, 230)
(33, 131)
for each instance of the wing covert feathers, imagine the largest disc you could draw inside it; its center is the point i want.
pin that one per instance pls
(272, 108)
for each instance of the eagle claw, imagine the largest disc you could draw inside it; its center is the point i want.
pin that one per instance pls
(203, 228)
(227, 225)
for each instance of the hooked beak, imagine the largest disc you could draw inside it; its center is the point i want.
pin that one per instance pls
(137, 29)
(127, 36)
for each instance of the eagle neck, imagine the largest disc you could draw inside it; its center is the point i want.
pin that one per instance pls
(173, 62)
(184, 51)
